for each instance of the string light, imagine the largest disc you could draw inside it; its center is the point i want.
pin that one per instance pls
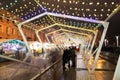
(108, 9)
(58, 0)
(105, 3)
(91, 3)
(102, 9)
(83, 3)
(98, 3)
(95, 9)
(25, 11)
(112, 3)
(70, 2)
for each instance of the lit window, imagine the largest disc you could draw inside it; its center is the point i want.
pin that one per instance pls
(7, 30)
(0, 28)
(12, 30)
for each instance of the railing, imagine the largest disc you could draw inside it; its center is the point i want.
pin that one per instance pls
(53, 66)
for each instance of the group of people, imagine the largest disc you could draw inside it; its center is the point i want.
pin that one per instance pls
(69, 55)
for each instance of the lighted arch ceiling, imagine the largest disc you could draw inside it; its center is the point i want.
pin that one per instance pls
(25, 9)
(83, 8)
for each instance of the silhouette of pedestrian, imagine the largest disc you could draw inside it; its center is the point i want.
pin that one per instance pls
(66, 58)
(73, 56)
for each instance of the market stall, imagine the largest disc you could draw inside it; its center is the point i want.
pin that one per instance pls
(12, 48)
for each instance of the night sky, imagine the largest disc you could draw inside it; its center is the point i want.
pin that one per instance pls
(114, 28)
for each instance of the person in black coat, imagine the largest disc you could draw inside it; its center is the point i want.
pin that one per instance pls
(66, 58)
(73, 56)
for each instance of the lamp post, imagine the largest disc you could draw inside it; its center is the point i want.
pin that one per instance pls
(117, 40)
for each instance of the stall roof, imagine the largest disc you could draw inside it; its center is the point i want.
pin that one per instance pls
(5, 40)
(12, 41)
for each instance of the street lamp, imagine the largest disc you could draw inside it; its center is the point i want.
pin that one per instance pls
(117, 40)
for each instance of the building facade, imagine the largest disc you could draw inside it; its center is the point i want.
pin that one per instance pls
(8, 30)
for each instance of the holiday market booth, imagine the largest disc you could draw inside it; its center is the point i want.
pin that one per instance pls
(11, 47)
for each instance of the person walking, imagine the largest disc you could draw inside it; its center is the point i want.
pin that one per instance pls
(73, 56)
(66, 58)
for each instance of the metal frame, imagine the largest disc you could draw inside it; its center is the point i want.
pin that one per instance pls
(103, 35)
(92, 45)
(68, 31)
(37, 34)
(117, 71)
(105, 24)
(25, 40)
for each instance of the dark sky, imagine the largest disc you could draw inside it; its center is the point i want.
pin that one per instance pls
(114, 28)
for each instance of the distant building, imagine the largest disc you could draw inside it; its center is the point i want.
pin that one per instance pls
(9, 30)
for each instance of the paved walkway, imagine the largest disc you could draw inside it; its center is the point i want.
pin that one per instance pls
(104, 71)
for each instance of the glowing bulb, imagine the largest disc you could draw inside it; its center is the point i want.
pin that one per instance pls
(108, 9)
(64, 1)
(75, 8)
(6, 5)
(70, 1)
(16, 1)
(90, 3)
(112, 3)
(70, 7)
(101, 15)
(82, 9)
(102, 9)
(95, 9)
(105, 3)
(98, 3)
(83, 2)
